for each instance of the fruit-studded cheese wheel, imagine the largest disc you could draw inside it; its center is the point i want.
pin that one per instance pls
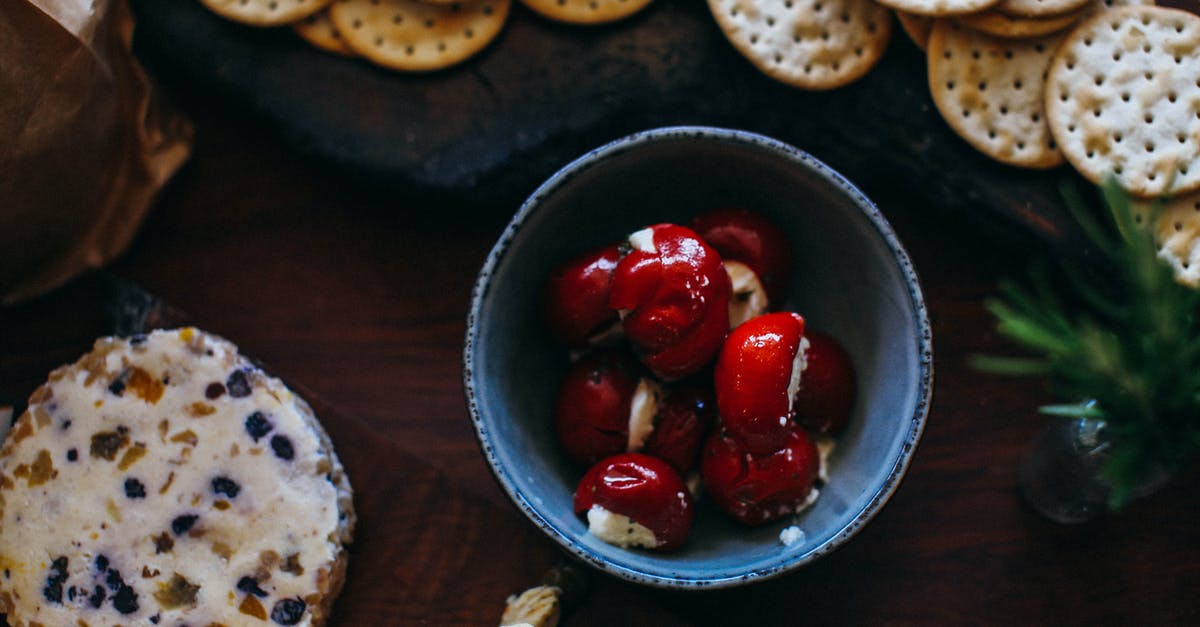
(163, 479)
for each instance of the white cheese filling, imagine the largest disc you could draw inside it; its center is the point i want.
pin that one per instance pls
(748, 298)
(619, 530)
(825, 445)
(643, 240)
(799, 365)
(642, 411)
(791, 535)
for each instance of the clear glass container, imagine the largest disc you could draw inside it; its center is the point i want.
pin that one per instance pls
(1061, 473)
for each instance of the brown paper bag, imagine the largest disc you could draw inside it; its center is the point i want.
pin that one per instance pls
(85, 144)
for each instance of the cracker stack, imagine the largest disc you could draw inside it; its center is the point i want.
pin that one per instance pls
(411, 35)
(404, 35)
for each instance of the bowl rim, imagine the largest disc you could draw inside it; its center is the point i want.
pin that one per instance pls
(787, 152)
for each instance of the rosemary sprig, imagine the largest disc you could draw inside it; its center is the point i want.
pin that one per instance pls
(1124, 336)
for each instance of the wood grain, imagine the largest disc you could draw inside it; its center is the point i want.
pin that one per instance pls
(360, 294)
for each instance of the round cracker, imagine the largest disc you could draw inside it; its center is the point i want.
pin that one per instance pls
(939, 8)
(586, 11)
(319, 30)
(989, 90)
(1177, 233)
(416, 37)
(998, 24)
(265, 12)
(917, 27)
(1123, 99)
(1039, 8)
(812, 44)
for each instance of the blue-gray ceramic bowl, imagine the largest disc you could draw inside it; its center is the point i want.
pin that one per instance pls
(852, 278)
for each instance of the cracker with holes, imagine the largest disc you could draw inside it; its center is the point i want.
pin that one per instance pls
(586, 11)
(265, 12)
(1177, 231)
(812, 44)
(1123, 98)
(939, 8)
(997, 24)
(318, 30)
(413, 36)
(990, 92)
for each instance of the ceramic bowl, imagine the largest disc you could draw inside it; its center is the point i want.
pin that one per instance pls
(852, 278)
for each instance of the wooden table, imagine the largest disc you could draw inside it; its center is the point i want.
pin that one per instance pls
(360, 295)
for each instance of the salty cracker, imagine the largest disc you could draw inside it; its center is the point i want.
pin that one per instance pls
(265, 12)
(586, 11)
(998, 24)
(813, 44)
(1039, 8)
(412, 36)
(989, 90)
(1177, 232)
(939, 8)
(318, 29)
(1123, 98)
(917, 27)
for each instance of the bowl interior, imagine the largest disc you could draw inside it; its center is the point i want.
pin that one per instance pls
(851, 279)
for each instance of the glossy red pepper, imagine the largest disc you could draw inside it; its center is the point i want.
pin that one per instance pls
(676, 299)
(644, 488)
(591, 414)
(828, 388)
(748, 237)
(752, 378)
(757, 489)
(688, 413)
(575, 298)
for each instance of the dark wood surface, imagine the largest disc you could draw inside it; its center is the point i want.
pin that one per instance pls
(359, 295)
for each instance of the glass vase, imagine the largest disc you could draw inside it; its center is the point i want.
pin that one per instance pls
(1061, 473)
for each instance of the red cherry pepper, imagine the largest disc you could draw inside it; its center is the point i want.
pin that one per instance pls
(687, 415)
(755, 490)
(677, 299)
(645, 489)
(828, 388)
(752, 377)
(744, 236)
(575, 299)
(591, 414)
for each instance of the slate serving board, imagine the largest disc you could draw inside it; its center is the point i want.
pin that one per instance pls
(487, 132)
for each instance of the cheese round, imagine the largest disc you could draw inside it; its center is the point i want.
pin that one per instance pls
(163, 479)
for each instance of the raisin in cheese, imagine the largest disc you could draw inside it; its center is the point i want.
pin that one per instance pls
(165, 480)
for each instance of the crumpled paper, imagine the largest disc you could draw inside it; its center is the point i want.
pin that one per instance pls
(85, 141)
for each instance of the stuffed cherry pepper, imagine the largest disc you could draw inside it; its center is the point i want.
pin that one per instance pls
(757, 258)
(635, 500)
(685, 417)
(756, 489)
(827, 391)
(757, 376)
(604, 406)
(673, 294)
(575, 298)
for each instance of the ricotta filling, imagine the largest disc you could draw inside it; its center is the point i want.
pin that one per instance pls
(643, 240)
(791, 535)
(642, 412)
(825, 445)
(748, 299)
(799, 365)
(619, 530)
